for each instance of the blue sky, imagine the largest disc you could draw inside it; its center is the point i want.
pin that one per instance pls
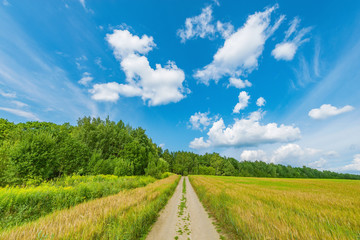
(277, 81)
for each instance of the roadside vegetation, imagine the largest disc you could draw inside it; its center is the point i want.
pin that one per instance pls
(126, 215)
(265, 208)
(23, 204)
(33, 152)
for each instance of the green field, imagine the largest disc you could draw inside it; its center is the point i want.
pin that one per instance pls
(125, 215)
(23, 204)
(270, 208)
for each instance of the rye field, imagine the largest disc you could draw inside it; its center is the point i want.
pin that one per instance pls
(272, 208)
(89, 207)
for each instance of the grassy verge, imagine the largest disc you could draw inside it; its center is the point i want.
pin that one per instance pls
(126, 215)
(260, 208)
(19, 205)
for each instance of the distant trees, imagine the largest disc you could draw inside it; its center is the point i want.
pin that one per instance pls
(213, 164)
(38, 151)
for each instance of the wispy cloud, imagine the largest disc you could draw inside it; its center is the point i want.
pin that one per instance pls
(7, 94)
(204, 26)
(21, 113)
(86, 79)
(287, 49)
(34, 75)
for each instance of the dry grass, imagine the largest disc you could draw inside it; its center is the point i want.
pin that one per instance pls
(261, 208)
(104, 218)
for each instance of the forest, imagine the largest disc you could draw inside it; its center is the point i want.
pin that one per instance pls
(33, 152)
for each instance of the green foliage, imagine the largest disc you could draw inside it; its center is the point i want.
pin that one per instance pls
(38, 151)
(156, 167)
(23, 204)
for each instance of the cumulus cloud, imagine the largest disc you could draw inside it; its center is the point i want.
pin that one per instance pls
(253, 155)
(200, 121)
(293, 153)
(288, 154)
(286, 50)
(260, 102)
(327, 110)
(158, 86)
(246, 132)
(238, 83)
(354, 166)
(86, 78)
(21, 113)
(243, 102)
(241, 49)
(203, 26)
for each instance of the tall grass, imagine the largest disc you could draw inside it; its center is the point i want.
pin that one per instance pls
(260, 208)
(126, 215)
(23, 204)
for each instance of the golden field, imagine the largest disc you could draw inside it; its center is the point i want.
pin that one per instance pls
(270, 208)
(126, 215)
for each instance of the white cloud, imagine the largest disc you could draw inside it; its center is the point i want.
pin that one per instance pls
(7, 94)
(289, 154)
(86, 78)
(293, 154)
(327, 110)
(241, 50)
(198, 26)
(238, 83)
(354, 166)
(225, 29)
(200, 121)
(216, 2)
(253, 155)
(260, 102)
(98, 62)
(19, 104)
(286, 50)
(162, 145)
(109, 92)
(246, 132)
(202, 26)
(318, 164)
(82, 2)
(21, 113)
(243, 102)
(158, 86)
(125, 44)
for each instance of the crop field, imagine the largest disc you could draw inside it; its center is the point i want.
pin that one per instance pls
(270, 208)
(24, 204)
(125, 215)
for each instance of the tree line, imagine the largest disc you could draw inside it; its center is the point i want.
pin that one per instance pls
(38, 151)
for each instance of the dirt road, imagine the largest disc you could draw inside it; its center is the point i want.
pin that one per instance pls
(183, 217)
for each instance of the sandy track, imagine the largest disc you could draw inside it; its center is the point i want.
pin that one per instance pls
(183, 217)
